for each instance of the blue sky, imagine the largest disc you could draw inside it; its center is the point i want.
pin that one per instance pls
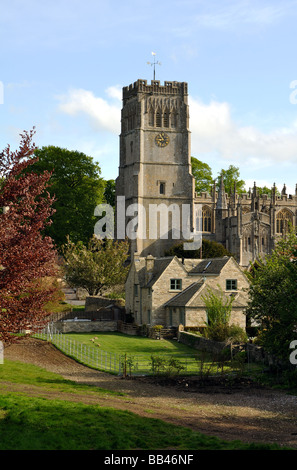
(64, 63)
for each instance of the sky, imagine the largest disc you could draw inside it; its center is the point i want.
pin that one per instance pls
(63, 64)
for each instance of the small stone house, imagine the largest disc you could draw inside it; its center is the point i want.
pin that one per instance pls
(169, 291)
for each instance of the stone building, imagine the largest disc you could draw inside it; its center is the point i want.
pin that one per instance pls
(157, 207)
(155, 164)
(156, 184)
(169, 291)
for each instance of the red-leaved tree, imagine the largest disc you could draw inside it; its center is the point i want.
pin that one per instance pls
(27, 258)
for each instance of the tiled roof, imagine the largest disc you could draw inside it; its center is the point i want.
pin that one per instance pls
(207, 266)
(193, 296)
(182, 298)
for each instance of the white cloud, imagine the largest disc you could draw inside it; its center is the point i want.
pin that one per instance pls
(115, 92)
(101, 113)
(215, 131)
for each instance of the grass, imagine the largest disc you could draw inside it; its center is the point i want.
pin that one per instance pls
(35, 423)
(28, 374)
(141, 349)
(121, 343)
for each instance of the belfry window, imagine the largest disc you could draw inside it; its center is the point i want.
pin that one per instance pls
(166, 120)
(158, 120)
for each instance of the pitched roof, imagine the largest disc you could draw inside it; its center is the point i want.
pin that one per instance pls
(193, 295)
(182, 298)
(207, 266)
(160, 264)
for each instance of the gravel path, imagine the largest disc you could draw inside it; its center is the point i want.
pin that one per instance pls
(247, 413)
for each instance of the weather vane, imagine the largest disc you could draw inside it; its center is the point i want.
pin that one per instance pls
(154, 64)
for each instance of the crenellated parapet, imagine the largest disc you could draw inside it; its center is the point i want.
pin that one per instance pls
(155, 87)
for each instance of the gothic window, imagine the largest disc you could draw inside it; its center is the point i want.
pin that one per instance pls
(246, 209)
(206, 219)
(158, 120)
(166, 119)
(283, 219)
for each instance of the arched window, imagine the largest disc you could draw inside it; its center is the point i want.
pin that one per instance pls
(206, 219)
(158, 120)
(283, 219)
(166, 119)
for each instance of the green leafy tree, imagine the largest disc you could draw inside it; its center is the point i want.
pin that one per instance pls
(210, 249)
(218, 308)
(265, 190)
(273, 297)
(77, 187)
(96, 266)
(202, 174)
(109, 192)
(231, 176)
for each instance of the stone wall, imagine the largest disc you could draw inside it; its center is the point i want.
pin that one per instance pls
(85, 326)
(200, 343)
(254, 353)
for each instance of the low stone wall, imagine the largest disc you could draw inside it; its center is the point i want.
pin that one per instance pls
(255, 353)
(200, 343)
(85, 326)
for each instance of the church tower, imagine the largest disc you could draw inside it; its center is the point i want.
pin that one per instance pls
(155, 178)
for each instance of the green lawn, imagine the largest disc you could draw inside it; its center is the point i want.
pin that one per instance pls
(121, 343)
(138, 352)
(29, 422)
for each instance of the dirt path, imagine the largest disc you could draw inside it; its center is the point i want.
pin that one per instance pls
(247, 413)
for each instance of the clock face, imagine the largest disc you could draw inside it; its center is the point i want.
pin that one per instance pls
(162, 139)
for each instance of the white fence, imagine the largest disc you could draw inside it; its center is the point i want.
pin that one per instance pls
(88, 355)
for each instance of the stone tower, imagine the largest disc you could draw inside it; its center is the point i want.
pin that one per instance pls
(155, 178)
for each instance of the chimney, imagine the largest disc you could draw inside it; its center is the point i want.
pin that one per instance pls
(149, 263)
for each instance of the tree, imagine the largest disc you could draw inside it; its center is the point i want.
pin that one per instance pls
(27, 258)
(109, 192)
(210, 249)
(273, 297)
(78, 188)
(230, 178)
(202, 174)
(97, 266)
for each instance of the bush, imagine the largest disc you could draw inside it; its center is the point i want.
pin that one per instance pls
(169, 367)
(217, 331)
(224, 332)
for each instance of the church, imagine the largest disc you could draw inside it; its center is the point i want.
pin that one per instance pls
(155, 175)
